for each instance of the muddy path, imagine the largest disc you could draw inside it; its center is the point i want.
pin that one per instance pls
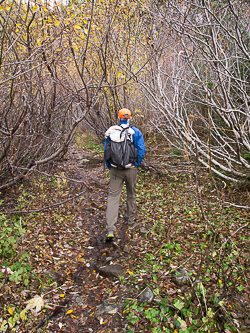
(85, 250)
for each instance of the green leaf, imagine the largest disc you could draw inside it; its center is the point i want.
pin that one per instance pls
(132, 318)
(28, 267)
(11, 322)
(240, 288)
(179, 305)
(155, 330)
(4, 323)
(210, 313)
(177, 323)
(195, 322)
(151, 314)
(20, 270)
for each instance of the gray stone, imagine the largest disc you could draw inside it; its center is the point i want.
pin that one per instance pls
(110, 308)
(245, 329)
(89, 155)
(143, 230)
(52, 274)
(108, 259)
(110, 271)
(79, 224)
(80, 300)
(146, 296)
(158, 299)
(126, 248)
(181, 277)
(84, 160)
(238, 315)
(135, 225)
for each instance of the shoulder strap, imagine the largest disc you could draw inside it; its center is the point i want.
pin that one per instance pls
(127, 126)
(125, 142)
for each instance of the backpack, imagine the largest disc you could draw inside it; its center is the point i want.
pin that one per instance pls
(120, 151)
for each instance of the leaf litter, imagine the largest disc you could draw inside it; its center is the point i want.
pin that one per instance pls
(36, 304)
(66, 245)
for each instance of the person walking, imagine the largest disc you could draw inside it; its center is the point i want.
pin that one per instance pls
(124, 150)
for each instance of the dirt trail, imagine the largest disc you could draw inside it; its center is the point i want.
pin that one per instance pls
(85, 288)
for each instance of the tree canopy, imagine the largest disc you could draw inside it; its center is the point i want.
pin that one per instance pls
(182, 66)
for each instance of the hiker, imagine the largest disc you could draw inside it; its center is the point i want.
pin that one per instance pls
(124, 150)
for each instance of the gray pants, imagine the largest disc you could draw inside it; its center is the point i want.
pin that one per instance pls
(117, 177)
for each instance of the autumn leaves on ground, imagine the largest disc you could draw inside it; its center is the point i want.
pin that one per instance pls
(51, 258)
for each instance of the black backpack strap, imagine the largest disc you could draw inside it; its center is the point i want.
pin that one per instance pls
(125, 142)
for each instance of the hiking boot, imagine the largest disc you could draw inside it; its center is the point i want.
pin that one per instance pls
(110, 236)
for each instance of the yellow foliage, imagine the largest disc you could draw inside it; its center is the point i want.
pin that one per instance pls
(68, 312)
(10, 311)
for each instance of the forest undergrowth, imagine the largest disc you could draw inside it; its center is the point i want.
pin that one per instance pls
(185, 227)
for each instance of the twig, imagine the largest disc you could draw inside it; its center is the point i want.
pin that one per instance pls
(54, 312)
(53, 306)
(238, 206)
(226, 204)
(199, 304)
(185, 261)
(203, 293)
(40, 209)
(180, 266)
(233, 235)
(52, 290)
(62, 177)
(241, 266)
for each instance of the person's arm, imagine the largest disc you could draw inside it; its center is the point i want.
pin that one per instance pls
(106, 162)
(140, 145)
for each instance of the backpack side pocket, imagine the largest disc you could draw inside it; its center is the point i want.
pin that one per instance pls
(107, 151)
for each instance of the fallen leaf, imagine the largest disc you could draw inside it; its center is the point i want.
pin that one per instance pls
(131, 273)
(171, 291)
(23, 315)
(179, 305)
(36, 304)
(68, 312)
